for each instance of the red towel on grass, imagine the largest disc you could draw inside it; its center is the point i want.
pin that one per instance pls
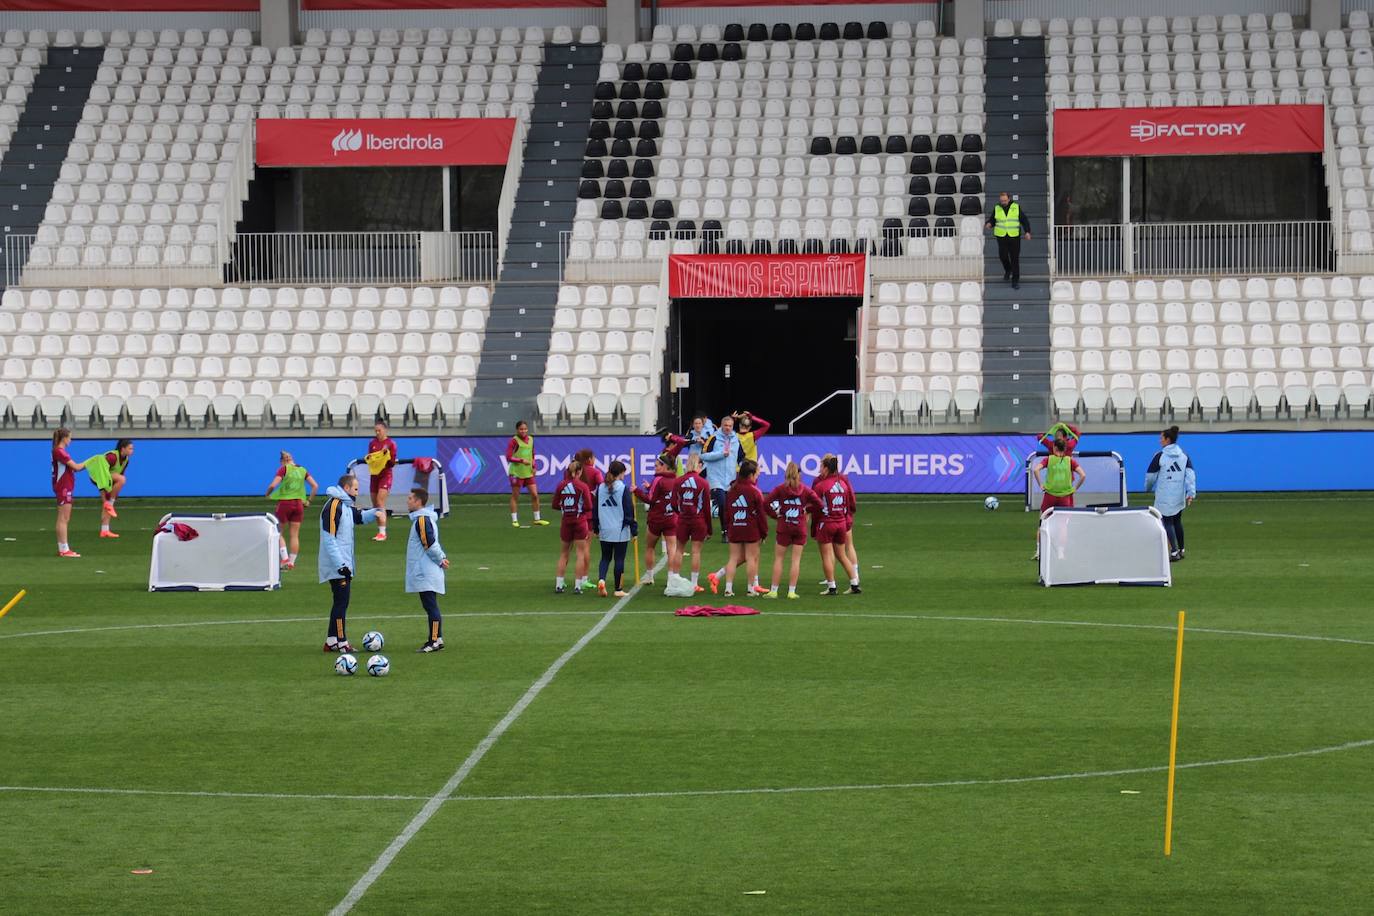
(730, 610)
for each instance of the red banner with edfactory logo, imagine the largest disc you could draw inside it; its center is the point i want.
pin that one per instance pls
(327, 142)
(1224, 130)
(763, 276)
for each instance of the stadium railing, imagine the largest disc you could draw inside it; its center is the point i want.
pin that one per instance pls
(1302, 247)
(262, 259)
(942, 257)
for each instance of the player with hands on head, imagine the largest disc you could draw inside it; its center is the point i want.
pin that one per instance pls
(751, 428)
(339, 516)
(1059, 476)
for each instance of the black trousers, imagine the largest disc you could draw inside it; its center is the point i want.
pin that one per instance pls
(430, 602)
(613, 551)
(1009, 250)
(1173, 527)
(341, 589)
(718, 500)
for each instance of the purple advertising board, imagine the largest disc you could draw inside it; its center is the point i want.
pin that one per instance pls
(874, 464)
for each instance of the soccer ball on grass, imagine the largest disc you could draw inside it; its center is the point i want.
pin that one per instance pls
(378, 666)
(991, 504)
(372, 641)
(346, 664)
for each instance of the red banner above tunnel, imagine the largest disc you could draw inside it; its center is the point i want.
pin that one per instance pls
(325, 142)
(751, 276)
(1222, 130)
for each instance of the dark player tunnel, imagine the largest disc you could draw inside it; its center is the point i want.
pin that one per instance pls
(782, 357)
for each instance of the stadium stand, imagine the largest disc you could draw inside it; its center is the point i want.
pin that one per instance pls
(706, 138)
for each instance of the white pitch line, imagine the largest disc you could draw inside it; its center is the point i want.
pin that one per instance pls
(436, 801)
(262, 620)
(708, 793)
(1077, 623)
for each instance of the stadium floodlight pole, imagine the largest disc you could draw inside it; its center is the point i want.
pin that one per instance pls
(634, 507)
(1173, 743)
(13, 601)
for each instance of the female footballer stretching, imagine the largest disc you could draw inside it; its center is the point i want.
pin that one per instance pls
(288, 489)
(118, 462)
(63, 485)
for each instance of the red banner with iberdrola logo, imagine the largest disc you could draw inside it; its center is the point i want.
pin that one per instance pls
(1221, 130)
(764, 276)
(326, 142)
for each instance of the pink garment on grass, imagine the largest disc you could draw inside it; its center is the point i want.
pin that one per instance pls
(729, 610)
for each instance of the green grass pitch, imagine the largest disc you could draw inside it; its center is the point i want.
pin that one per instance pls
(261, 782)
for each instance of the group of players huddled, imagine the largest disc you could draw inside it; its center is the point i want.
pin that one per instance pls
(716, 478)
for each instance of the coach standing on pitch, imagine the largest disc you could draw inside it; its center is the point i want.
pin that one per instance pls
(337, 565)
(721, 463)
(1009, 225)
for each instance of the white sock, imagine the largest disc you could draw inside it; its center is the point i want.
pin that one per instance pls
(829, 583)
(695, 577)
(104, 526)
(729, 586)
(536, 515)
(792, 589)
(281, 552)
(515, 516)
(331, 641)
(773, 587)
(720, 573)
(854, 580)
(558, 581)
(62, 547)
(293, 557)
(754, 583)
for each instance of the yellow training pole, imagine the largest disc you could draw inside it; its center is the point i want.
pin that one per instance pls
(1173, 742)
(634, 507)
(13, 601)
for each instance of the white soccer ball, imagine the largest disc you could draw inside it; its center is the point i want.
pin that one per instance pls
(372, 641)
(378, 666)
(346, 664)
(991, 504)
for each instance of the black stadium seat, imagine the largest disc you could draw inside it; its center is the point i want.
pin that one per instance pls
(646, 148)
(637, 209)
(708, 52)
(605, 90)
(920, 165)
(853, 31)
(944, 206)
(946, 143)
(591, 168)
(596, 147)
(971, 206)
(944, 226)
(653, 91)
(643, 168)
(972, 143)
(971, 164)
(877, 30)
(611, 209)
(681, 71)
(944, 184)
(758, 32)
(599, 130)
(617, 168)
(629, 90)
(734, 32)
(684, 52)
(602, 111)
(589, 190)
(640, 190)
(621, 149)
(658, 71)
(921, 144)
(896, 144)
(919, 207)
(781, 32)
(806, 31)
(658, 229)
(614, 189)
(971, 184)
(627, 111)
(632, 71)
(820, 146)
(830, 31)
(624, 130)
(845, 146)
(944, 165)
(731, 52)
(685, 229)
(648, 130)
(871, 145)
(652, 109)
(920, 186)
(918, 227)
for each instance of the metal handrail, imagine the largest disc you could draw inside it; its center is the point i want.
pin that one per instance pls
(791, 426)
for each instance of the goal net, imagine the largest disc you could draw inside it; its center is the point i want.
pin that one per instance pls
(228, 553)
(1103, 547)
(1105, 484)
(404, 478)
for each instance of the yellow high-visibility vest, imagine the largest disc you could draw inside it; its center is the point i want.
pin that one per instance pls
(1006, 223)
